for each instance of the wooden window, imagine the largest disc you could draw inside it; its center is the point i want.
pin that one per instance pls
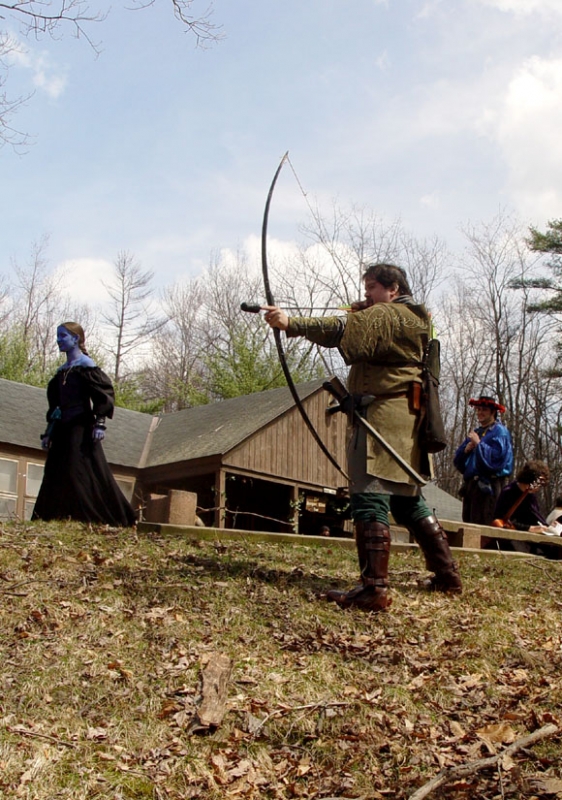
(8, 488)
(126, 487)
(8, 476)
(33, 479)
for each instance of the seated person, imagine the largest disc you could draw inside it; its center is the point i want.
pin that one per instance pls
(517, 505)
(518, 509)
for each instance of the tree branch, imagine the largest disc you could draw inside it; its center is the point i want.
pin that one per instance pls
(475, 766)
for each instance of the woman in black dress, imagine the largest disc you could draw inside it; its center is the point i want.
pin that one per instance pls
(77, 482)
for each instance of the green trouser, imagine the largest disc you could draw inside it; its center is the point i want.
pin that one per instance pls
(371, 506)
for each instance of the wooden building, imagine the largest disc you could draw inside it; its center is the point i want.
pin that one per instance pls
(251, 460)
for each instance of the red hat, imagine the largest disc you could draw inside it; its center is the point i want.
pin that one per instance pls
(484, 400)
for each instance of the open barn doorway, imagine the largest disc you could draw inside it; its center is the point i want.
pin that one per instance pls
(253, 504)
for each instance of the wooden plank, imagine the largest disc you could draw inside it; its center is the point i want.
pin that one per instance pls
(285, 448)
(214, 690)
(521, 536)
(451, 528)
(465, 536)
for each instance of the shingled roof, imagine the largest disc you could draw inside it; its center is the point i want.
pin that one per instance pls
(22, 415)
(445, 505)
(23, 420)
(208, 430)
(217, 428)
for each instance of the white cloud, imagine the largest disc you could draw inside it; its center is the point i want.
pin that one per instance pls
(46, 76)
(430, 200)
(526, 125)
(383, 61)
(428, 9)
(82, 279)
(45, 79)
(525, 7)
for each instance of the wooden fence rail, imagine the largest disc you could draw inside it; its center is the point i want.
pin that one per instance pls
(460, 534)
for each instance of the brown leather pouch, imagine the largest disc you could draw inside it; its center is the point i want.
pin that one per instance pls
(415, 396)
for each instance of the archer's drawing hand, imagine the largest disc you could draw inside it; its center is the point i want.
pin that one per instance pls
(45, 441)
(276, 318)
(359, 305)
(474, 441)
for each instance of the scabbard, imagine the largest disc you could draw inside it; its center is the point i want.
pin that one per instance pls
(345, 403)
(408, 469)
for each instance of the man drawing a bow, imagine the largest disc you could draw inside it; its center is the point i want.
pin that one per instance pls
(383, 341)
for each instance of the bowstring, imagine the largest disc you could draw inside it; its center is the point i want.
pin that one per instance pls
(301, 187)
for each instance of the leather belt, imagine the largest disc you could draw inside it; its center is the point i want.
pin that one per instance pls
(389, 396)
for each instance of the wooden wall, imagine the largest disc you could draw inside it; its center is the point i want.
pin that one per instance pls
(287, 450)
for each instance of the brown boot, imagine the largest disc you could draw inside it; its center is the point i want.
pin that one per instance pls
(373, 544)
(438, 558)
(361, 547)
(345, 598)
(359, 529)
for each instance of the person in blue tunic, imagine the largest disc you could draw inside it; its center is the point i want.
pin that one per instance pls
(485, 459)
(77, 482)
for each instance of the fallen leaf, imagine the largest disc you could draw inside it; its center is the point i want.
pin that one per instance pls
(500, 733)
(469, 681)
(242, 768)
(418, 681)
(457, 730)
(493, 735)
(507, 762)
(541, 784)
(96, 734)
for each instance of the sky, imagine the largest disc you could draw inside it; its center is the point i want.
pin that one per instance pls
(437, 112)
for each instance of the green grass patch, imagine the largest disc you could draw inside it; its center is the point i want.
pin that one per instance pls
(104, 635)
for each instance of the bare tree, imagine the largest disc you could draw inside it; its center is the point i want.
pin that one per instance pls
(241, 353)
(9, 106)
(53, 18)
(210, 349)
(352, 238)
(491, 345)
(5, 303)
(426, 262)
(39, 305)
(131, 319)
(32, 304)
(174, 373)
(348, 239)
(328, 271)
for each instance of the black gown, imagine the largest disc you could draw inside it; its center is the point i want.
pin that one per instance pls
(77, 482)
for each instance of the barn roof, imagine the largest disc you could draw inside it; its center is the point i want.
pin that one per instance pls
(217, 428)
(208, 430)
(444, 505)
(23, 411)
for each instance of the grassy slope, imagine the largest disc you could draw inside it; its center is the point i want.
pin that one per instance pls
(103, 635)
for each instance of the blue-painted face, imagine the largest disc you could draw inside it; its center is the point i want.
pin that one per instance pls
(66, 340)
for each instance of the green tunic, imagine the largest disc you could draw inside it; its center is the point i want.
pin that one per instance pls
(384, 346)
